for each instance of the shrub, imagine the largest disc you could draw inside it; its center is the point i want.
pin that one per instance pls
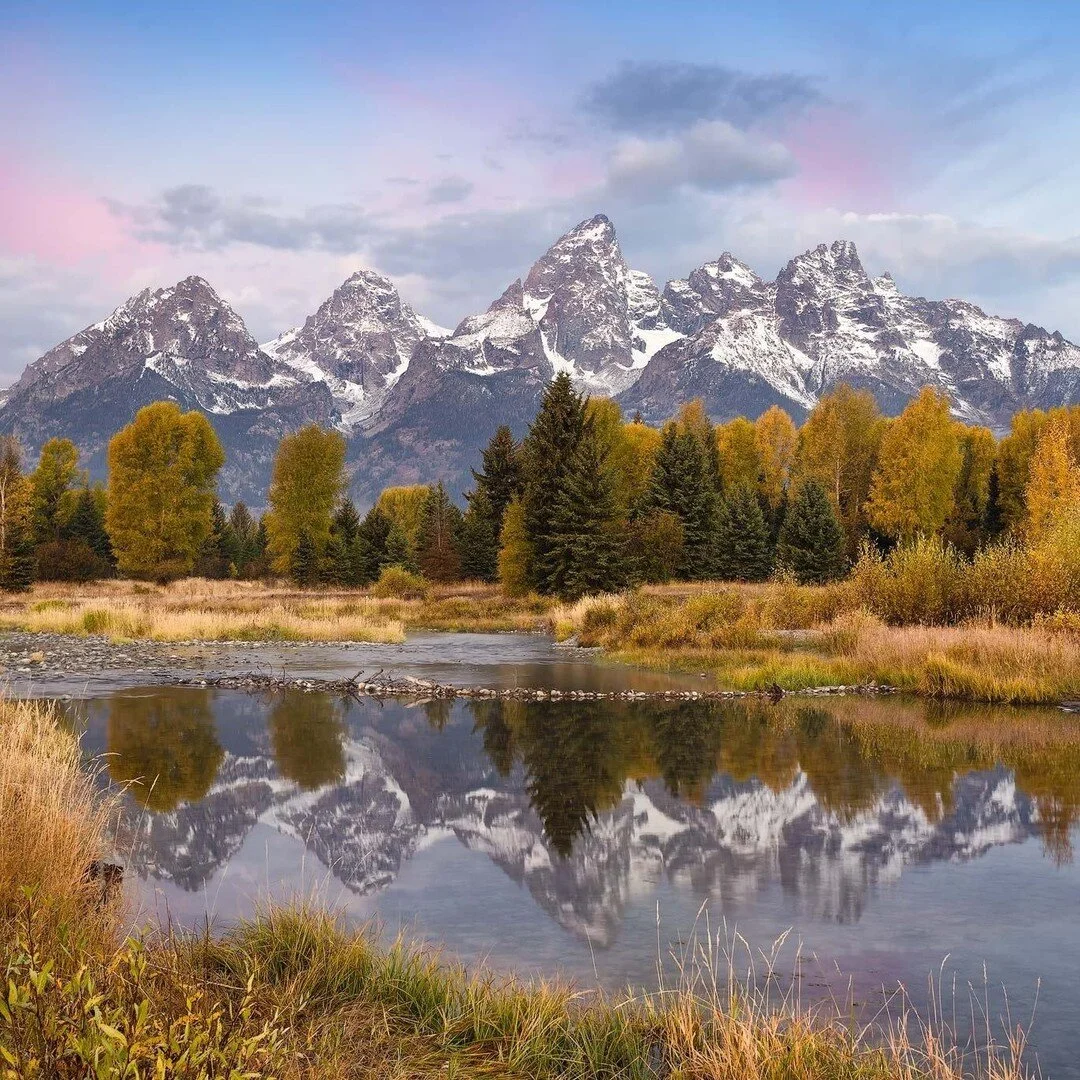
(397, 583)
(918, 582)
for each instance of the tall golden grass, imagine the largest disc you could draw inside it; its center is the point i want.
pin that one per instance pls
(293, 993)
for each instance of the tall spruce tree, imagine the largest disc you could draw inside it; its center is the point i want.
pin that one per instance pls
(343, 552)
(440, 530)
(587, 551)
(682, 483)
(479, 539)
(743, 546)
(546, 455)
(304, 562)
(371, 540)
(500, 475)
(245, 533)
(812, 542)
(218, 551)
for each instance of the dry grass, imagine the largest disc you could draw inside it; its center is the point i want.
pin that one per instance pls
(197, 609)
(751, 637)
(294, 994)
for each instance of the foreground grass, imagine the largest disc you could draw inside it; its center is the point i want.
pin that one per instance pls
(294, 994)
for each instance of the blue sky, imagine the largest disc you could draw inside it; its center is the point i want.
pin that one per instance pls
(276, 147)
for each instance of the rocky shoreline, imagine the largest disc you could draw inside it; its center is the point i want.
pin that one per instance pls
(383, 685)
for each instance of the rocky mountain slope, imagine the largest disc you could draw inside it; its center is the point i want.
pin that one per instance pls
(418, 402)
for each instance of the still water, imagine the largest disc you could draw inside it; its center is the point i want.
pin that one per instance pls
(584, 838)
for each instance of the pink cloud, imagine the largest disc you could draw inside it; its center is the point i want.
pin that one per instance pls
(841, 162)
(58, 223)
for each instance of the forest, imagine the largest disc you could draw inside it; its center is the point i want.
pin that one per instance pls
(590, 502)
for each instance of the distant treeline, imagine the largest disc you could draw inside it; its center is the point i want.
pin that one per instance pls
(587, 502)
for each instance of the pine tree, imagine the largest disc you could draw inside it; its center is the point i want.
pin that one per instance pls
(245, 534)
(546, 453)
(304, 568)
(371, 541)
(218, 552)
(743, 548)
(479, 539)
(682, 484)
(398, 550)
(993, 522)
(343, 552)
(440, 529)
(500, 476)
(87, 525)
(812, 543)
(587, 552)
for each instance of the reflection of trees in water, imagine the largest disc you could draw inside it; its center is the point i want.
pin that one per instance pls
(306, 733)
(165, 744)
(578, 756)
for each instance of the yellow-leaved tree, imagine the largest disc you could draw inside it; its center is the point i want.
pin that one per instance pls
(515, 554)
(162, 480)
(1014, 455)
(913, 490)
(306, 485)
(740, 460)
(838, 446)
(16, 536)
(777, 439)
(1053, 487)
(404, 509)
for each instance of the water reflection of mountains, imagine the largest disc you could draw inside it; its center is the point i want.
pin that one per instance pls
(589, 804)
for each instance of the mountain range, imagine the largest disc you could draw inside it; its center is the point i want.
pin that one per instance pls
(417, 401)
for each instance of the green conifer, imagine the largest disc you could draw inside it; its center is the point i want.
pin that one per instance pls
(587, 551)
(479, 539)
(546, 454)
(812, 543)
(743, 548)
(500, 476)
(440, 530)
(682, 483)
(304, 566)
(371, 542)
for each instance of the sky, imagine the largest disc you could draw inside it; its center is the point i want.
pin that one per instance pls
(274, 148)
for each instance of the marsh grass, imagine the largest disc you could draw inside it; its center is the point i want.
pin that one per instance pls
(754, 637)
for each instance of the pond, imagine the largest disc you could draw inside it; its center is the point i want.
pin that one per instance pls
(590, 839)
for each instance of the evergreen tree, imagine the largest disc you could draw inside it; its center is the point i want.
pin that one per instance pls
(245, 537)
(587, 552)
(682, 484)
(546, 453)
(812, 542)
(440, 528)
(479, 539)
(343, 553)
(993, 523)
(398, 549)
(87, 525)
(743, 548)
(304, 568)
(372, 542)
(500, 475)
(217, 556)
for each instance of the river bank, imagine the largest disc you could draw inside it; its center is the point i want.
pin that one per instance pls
(747, 638)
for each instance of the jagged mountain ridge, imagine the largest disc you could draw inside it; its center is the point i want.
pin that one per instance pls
(418, 402)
